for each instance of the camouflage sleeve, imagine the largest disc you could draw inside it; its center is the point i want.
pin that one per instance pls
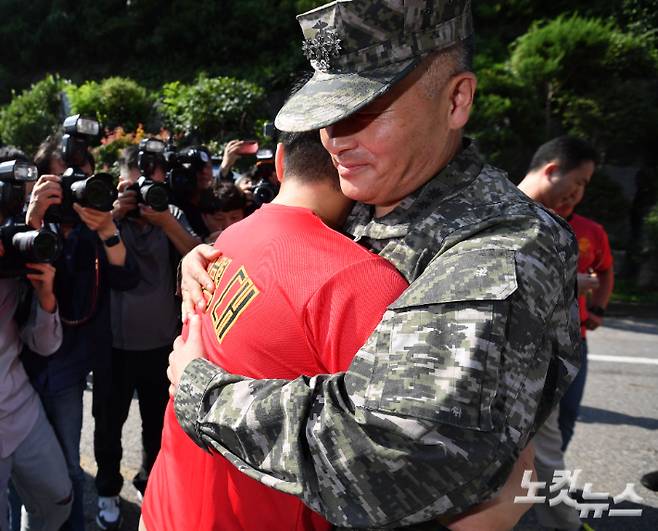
(434, 409)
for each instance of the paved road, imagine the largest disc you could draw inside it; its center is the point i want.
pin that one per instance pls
(616, 439)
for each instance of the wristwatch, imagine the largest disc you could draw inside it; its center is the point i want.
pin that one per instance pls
(597, 310)
(112, 240)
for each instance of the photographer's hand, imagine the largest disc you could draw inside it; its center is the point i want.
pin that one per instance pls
(231, 155)
(182, 240)
(184, 352)
(100, 222)
(42, 282)
(47, 191)
(159, 219)
(195, 278)
(103, 224)
(126, 201)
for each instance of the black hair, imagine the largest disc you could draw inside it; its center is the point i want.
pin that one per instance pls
(569, 152)
(12, 153)
(230, 197)
(46, 152)
(306, 159)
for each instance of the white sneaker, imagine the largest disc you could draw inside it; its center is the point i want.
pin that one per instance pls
(109, 513)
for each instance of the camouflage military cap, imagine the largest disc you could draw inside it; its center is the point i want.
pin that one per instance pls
(360, 48)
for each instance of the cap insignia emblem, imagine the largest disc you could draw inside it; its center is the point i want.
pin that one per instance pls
(324, 47)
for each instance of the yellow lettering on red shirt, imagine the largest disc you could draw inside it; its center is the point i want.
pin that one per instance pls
(239, 292)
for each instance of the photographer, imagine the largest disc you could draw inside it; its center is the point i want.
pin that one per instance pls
(144, 325)
(188, 197)
(29, 451)
(93, 261)
(227, 206)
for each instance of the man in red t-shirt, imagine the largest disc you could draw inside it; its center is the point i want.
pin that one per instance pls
(558, 176)
(285, 282)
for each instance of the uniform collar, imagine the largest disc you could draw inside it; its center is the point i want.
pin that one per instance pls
(460, 172)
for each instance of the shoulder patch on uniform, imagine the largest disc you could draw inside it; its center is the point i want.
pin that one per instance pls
(478, 275)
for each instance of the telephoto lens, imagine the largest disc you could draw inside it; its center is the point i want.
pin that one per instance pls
(24, 245)
(37, 245)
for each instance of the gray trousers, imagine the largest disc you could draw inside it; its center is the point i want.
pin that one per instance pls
(548, 458)
(38, 470)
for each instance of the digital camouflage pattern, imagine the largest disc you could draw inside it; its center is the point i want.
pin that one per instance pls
(360, 48)
(459, 374)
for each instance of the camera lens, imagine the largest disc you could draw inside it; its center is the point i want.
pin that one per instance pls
(37, 246)
(264, 192)
(95, 192)
(156, 196)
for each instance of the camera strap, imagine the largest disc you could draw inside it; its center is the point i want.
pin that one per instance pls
(94, 297)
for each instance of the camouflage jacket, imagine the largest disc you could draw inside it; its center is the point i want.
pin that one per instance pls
(461, 371)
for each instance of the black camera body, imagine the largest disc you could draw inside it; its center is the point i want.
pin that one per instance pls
(98, 191)
(13, 176)
(183, 167)
(264, 190)
(153, 194)
(24, 245)
(151, 156)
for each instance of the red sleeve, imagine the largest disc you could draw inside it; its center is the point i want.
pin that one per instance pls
(342, 314)
(603, 253)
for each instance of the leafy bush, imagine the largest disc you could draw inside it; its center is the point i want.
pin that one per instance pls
(33, 115)
(115, 102)
(506, 120)
(107, 154)
(594, 81)
(212, 108)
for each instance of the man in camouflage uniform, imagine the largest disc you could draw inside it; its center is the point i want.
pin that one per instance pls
(467, 363)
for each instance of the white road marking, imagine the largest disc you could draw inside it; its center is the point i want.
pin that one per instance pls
(623, 359)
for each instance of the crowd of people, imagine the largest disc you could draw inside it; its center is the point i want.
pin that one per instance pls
(391, 338)
(107, 305)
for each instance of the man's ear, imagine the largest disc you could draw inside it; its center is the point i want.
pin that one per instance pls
(278, 161)
(462, 93)
(550, 170)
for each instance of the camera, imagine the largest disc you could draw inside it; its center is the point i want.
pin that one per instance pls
(183, 166)
(149, 192)
(78, 132)
(264, 190)
(23, 245)
(13, 176)
(98, 191)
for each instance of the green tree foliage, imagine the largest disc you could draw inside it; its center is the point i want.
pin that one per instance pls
(150, 41)
(570, 75)
(115, 102)
(595, 81)
(505, 120)
(212, 108)
(32, 115)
